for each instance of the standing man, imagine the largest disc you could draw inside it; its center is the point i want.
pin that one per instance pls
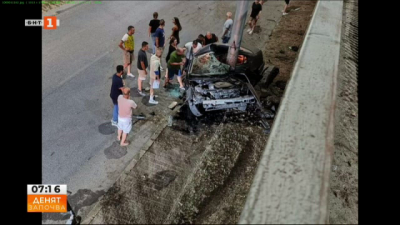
(255, 15)
(174, 67)
(160, 38)
(116, 90)
(142, 66)
(128, 40)
(153, 25)
(227, 28)
(155, 63)
(210, 38)
(125, 105)
(191, 45)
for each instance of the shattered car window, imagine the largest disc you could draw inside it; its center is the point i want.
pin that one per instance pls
(208, 64)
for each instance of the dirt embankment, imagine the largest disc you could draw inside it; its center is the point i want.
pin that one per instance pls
(49, 5)
(289, 32)
(147, 194)
(213, 173)
(220, 200)
(183, 167)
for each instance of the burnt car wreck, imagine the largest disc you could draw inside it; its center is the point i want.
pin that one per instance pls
(212, 85)
(221, 76)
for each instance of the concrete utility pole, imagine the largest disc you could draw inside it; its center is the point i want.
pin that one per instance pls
(237, 32)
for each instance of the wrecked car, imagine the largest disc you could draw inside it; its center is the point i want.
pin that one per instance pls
(211, 85)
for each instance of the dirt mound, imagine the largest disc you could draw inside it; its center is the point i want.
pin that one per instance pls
(218, 160)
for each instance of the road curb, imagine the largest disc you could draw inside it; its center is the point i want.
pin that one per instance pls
(58, 10)
(97, 207)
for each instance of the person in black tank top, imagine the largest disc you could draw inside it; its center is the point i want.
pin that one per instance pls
(255, 15)
(176, 29)
(286, 6)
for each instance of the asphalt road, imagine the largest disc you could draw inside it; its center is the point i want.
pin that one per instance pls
(79, 59)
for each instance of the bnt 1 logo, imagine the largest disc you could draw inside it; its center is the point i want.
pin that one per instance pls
(48, 23)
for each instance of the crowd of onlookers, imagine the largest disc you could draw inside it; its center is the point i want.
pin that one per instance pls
(176, 60)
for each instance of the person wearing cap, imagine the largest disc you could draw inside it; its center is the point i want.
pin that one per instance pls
(125, 106)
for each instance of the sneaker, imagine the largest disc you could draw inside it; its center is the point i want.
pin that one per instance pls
(182, 88)
(248, 30)
(152, 101)
(113, 123)
(284, 14)
(141, 93)
(130, 75)
(251, 32)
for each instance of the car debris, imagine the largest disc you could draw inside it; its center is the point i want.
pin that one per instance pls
(170, 121)
(172, 105)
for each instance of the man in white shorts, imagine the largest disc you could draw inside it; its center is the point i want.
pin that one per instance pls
(125, 106)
